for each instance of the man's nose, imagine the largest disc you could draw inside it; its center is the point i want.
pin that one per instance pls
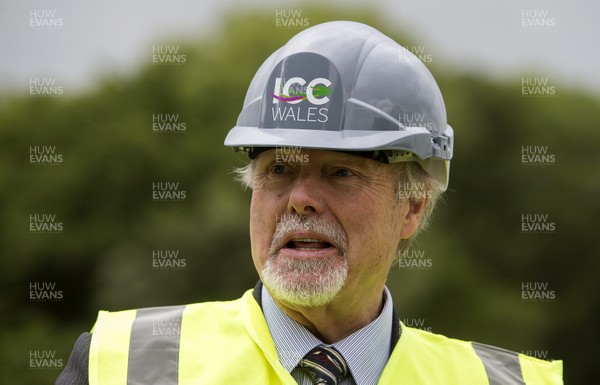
(306, 195)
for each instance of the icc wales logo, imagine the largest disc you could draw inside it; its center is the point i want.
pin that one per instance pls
(296, 90)
(315, 92)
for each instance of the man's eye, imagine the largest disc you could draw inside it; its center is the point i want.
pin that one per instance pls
(342, 172)
(277, 169)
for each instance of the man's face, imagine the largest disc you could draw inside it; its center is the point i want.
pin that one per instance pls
(325, 225)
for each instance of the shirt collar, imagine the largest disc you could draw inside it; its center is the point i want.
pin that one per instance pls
(366, 351)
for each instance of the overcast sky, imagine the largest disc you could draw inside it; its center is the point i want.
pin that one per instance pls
(487, 36)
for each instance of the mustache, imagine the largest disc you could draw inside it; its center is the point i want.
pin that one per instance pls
(289, 223)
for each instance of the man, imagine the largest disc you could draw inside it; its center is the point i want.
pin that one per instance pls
(349, 149)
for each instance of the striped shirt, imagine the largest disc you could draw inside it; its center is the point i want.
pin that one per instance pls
(366, 351)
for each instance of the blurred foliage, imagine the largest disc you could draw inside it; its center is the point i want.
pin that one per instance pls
(103, 195)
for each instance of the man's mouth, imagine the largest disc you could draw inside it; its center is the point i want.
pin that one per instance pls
(307, 244)
(308, 237)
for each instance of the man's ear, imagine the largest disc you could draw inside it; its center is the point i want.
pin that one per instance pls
(412, 217)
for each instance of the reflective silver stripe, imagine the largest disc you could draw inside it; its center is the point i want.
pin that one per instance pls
(154, 346)
(502, 366)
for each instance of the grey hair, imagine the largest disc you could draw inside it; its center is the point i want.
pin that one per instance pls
(416, 185)
(413, 184)
(245, 175)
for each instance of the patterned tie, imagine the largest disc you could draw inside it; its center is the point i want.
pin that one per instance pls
(324, 366)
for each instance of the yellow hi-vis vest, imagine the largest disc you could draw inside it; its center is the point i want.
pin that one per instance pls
(229, 343)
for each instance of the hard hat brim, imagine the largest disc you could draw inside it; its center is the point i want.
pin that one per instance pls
(416, 140)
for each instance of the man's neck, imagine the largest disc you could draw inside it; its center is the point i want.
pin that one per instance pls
(337, 320)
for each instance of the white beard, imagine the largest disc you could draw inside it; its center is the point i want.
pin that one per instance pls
(305, 282)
